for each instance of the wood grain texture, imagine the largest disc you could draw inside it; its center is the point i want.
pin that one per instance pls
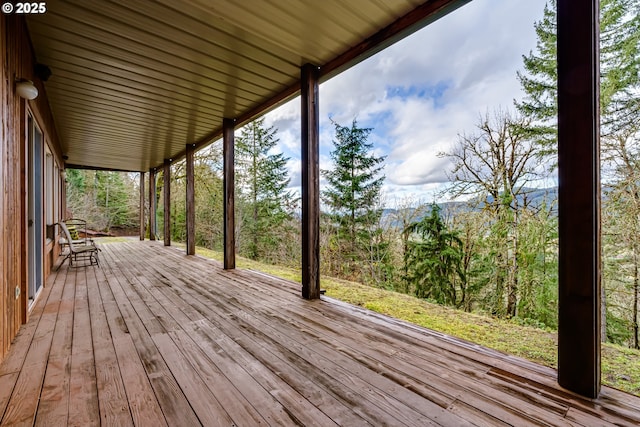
(54, 404)
(310, 176)
(166, 186)
(22, 406)
(142, 208)
(112, 397)
(143, 404)
(579, 246)
(229, 210)
(152, 205)
(4, 121)
(13, 110)
(83, 389)
(154, 337)
(190, 201)
(18, 61)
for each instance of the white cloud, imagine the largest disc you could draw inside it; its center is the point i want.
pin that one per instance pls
(295, 173)
(448, 74)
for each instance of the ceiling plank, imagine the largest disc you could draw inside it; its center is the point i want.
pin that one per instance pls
(151, 77)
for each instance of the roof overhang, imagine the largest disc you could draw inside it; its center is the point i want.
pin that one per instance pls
(133, 82)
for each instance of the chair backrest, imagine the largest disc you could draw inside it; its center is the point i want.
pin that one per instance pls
(73, 231)
(77, 227)
(67, 236)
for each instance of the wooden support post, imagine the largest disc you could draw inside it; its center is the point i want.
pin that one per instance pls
(310, 183)
(152, 205)
(228, 126)
(142, 223)
(191, 203)
(166, 185)
(579, 197)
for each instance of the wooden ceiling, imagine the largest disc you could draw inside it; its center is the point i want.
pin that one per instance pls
(135, 81)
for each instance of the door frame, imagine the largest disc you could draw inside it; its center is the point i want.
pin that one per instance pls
(34, 209)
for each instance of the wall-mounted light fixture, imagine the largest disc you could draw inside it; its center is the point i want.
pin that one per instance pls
(26, 89)
(42, 72)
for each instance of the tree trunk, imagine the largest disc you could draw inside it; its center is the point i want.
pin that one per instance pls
(512, 296)
(603, 316)
(498, 305)
(636, 345)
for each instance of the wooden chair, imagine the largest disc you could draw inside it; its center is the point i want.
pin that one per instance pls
(83, 249)
(78, 230)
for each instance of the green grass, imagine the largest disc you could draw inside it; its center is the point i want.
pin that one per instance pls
(106, 240)
(620, 365)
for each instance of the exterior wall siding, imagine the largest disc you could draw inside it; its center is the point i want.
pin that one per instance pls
(18, 62)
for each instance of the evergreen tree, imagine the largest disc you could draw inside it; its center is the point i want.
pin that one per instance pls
(537, 263)
(112, 197)
(265, 203)
(353, 193)
(619, 106)
(79, 204)
(178, 207)
(473, 231)
(104, 199)
(406, 212)
(209, 198)
(620, 66)
(75, 181)
(435, 261)
(540, 83)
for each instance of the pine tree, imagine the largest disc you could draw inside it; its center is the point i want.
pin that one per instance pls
(435, 261)
(209, 198)
(619, 101)
(112, 197)
(353, 193)
(620, 67)
(104, 199)
(265, 203)
(540, 83)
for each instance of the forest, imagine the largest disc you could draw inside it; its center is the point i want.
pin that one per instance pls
(490, 246)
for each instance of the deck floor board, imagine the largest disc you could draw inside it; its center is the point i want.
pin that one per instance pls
(153, 337)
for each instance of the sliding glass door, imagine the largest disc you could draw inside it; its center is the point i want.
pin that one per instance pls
(34, 211)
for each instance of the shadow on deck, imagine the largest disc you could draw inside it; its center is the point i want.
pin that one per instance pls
(154, 337)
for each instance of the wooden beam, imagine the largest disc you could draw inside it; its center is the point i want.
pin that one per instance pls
(142, 223)
(229, 194)
(579, 197)
(166, 185)
(153, 231)
(310, 182)
(95, 168)
(191, 208)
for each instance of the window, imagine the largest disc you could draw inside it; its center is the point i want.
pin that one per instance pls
(56, 193)
(49, 179)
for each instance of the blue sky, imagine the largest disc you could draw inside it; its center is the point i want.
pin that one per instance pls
(420, 93)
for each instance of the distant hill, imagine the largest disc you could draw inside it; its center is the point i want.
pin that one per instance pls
(534, 197)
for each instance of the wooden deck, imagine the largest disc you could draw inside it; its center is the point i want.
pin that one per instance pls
(153, 338)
